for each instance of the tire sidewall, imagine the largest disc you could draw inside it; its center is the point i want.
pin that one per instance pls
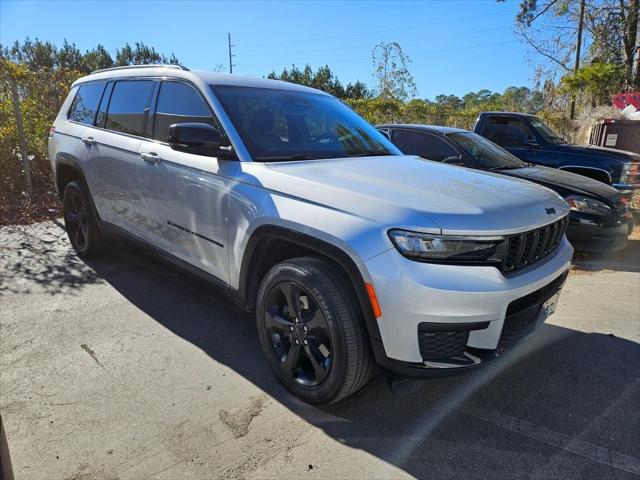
(333, 383)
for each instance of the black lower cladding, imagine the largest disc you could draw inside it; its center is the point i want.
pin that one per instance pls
(442, 345)
(443, 341)
(522, 314)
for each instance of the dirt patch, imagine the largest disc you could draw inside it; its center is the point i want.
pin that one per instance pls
(575, 270)
(238, 422)
(23, 211)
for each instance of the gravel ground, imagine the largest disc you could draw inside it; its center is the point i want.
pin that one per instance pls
(124, 368)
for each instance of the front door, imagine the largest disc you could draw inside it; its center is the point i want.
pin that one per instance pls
(186, 196)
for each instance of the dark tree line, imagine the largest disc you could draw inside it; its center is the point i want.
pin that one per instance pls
(323, 79)
(37, 54)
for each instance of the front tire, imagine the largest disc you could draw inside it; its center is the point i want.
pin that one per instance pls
(80, 221)
(311, 330)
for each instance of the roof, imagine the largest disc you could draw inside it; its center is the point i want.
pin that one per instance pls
(508, 113)
(197, 76)
(425, 128)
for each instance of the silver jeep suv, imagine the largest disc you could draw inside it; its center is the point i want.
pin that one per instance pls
(351, 254)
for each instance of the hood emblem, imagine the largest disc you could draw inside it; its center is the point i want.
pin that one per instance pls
(550, 211)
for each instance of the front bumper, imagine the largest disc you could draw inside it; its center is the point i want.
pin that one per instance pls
(590, 236)
(421, 298)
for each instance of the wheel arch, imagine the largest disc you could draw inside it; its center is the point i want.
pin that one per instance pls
(271, 244)
(68, 170)
(595, 173)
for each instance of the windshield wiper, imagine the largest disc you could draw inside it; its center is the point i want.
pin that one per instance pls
(286, 158)
(371, 153)
(508, 167)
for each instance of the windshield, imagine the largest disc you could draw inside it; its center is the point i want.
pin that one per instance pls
(488, 155)
(281, 125)
(545, 132)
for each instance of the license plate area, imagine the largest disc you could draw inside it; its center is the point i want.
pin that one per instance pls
(549, 307)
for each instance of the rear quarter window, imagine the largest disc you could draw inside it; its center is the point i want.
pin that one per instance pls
(85, 104)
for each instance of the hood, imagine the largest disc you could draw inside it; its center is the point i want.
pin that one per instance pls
(554, 178)
(413, 193)
(594, 151)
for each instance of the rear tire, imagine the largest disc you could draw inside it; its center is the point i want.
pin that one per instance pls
(312, 332)
(80, 221)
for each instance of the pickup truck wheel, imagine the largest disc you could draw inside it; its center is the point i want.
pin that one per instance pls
(312, 332)
(80, 222)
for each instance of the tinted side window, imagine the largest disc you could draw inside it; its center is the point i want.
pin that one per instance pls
(102, 110)
(179, 103)
(85, 104)
(506, 131)
(129, 106)
(422, 144)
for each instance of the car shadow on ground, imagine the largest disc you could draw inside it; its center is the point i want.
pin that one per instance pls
(566, 404)
(40, 258)
(625, 260)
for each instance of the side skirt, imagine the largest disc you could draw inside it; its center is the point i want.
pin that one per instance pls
(232, 294)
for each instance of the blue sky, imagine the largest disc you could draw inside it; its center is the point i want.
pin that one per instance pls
(456, 46)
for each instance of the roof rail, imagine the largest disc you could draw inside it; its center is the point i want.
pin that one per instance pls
(151, 65)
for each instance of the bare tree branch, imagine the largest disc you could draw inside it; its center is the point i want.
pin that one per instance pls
(543, 11)
(544, 54)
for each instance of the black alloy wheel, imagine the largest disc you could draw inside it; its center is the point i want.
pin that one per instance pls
(76, 220)
(311, 330)
(299, 334)
(80, 221)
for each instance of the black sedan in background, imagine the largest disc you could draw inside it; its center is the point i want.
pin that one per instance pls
(600, 219)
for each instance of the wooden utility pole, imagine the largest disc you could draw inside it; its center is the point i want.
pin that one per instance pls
(576, 65)
(231, 65)
(23, 140)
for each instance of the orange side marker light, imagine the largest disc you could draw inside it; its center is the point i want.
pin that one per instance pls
(374, 300)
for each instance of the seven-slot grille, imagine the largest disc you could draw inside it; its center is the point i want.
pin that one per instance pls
(526, 248)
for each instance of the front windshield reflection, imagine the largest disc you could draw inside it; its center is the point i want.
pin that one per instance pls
(282, 125)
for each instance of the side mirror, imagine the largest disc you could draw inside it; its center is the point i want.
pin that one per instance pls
(531, 143)
(454, 160)
(198, 138)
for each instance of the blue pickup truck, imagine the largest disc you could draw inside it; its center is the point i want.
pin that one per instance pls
(531, 140)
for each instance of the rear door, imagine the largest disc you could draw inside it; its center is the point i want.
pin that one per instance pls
(114, 157)
(186, 196)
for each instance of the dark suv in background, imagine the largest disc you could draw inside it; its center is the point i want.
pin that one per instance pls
(600, 219)
(531, 140)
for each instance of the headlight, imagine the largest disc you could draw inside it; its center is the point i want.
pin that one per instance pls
(630, 173)
(624, 174)
(590, 205)
(428, 247)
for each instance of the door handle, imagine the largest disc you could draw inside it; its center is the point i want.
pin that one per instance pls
(151, 157)
(89, 141)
